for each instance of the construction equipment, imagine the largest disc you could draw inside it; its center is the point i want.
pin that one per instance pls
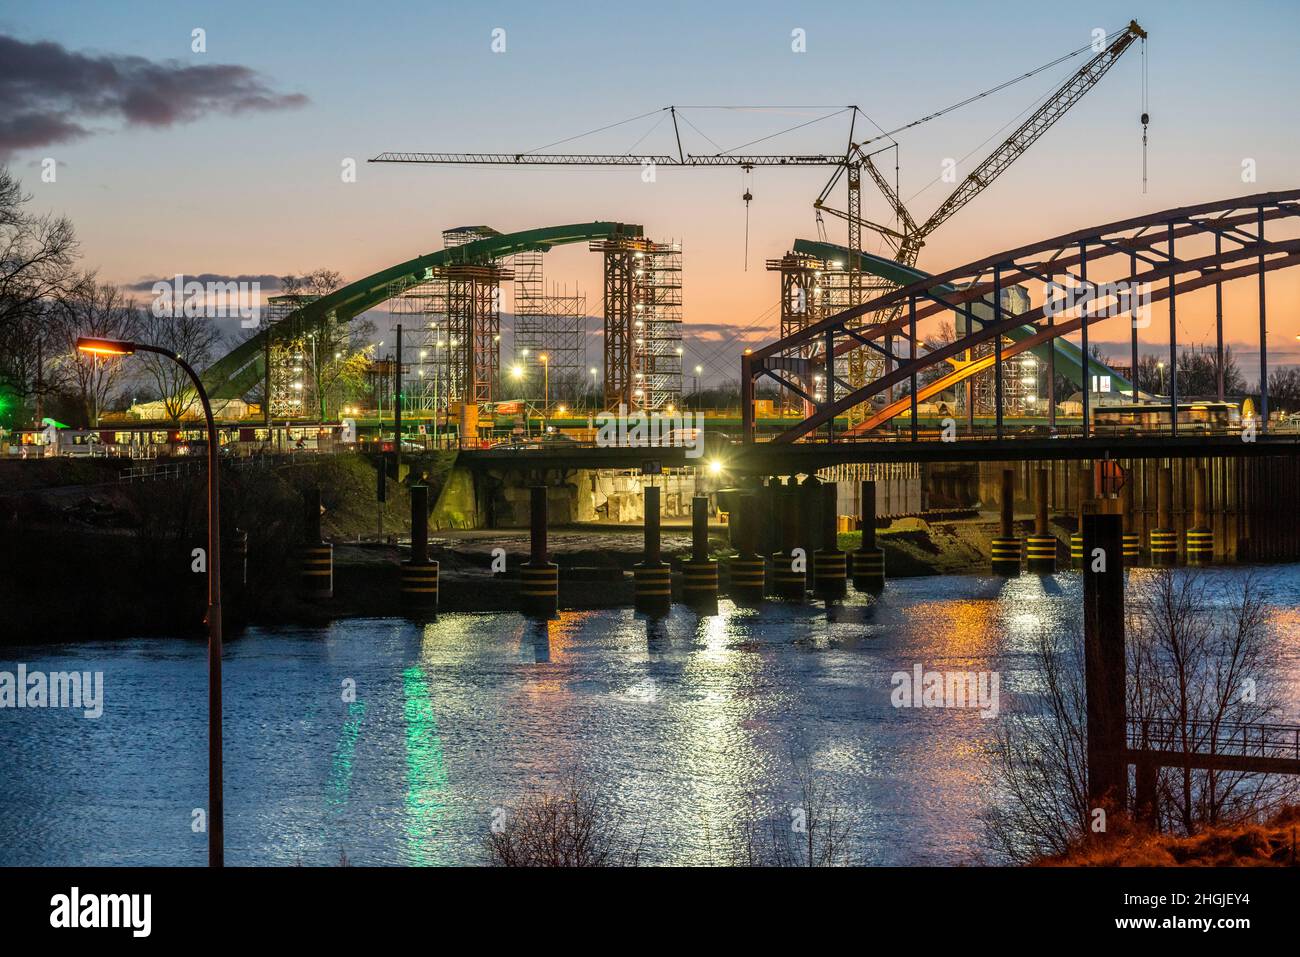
(905, 237)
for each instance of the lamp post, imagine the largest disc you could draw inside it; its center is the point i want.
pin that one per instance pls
(545, 360)
(216, 804)
(699, 370)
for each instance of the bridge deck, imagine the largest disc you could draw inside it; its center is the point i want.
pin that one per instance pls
(771, 458)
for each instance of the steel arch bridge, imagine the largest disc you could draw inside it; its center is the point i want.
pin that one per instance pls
(243, 367)
(1139, 257)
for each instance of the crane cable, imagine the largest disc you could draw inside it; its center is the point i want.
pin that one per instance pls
(1146, 116)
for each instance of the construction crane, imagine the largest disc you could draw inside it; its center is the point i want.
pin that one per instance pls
(909, 238)
(906, 237)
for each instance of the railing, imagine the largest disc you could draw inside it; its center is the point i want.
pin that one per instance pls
(163, 471)
(1207, 737)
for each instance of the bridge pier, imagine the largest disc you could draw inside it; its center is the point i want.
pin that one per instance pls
(1041, 550)
(700, 574)
(1005, 549)
(789, 572)
(419, 576)
(1083, 492)
(746, 568)
(1132, 540)
(830, 579)
(317, 556)
(868, 560)
(652, 578)
(539, 578)
(1164, 537)
(1200, 537)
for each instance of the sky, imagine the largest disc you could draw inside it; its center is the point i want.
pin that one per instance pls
(235, 168)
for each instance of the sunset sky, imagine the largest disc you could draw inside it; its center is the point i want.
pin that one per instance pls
(237, 171)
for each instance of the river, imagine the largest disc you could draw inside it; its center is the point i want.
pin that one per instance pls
(688, 726)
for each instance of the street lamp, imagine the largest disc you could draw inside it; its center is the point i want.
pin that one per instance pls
(699, 371)
(545, 360)
(216, 804)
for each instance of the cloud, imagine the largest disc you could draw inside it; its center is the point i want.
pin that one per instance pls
(49, 92)
(266, 280)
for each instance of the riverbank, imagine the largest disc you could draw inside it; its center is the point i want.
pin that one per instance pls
(1271, 843)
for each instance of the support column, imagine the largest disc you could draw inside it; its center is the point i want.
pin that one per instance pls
(828, 562)
(700, 574)
(1041, 549)
(746, 569)
(1200, 537)
(1104, 672)
(789, 572)
(1132, 539)
(652, 578)
(317, 556)
(1084, 492)
(1005, 549)
(868, 560)
(539, 578)
(419, 575)
(1164, 537)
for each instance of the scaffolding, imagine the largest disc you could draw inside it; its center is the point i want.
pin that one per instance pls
(550, 325)
(804, 286)
(286, 384)
(643, 323)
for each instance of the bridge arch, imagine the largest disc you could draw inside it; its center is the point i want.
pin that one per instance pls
(243, 367)
(1147, 245)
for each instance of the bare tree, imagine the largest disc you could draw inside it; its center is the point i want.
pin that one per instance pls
(808, 833)
(194, 338)
(1204, 655)
(572, 826)
(37, 259)
(1199, 659)
(94, 309)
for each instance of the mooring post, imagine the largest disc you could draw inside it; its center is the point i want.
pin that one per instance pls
(1200, 537)
(700, 574)
(317, 556)
(1164, 537)
(419, 576)
(789, 571)
(1084, 492)
(1104, 671)
(652, 578)
(745, 569)
(539, 578)
(810, 526)
(868, 560)
(1041, 550)
(1132, 539)
(830, 579)
(1005, 549)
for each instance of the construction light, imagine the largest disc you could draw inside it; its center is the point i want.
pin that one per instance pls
(715, 466)
(516, 372)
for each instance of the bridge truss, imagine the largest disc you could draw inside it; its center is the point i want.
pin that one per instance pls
(1081, 278)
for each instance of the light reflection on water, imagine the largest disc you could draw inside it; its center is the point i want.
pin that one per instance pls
(690, 724)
